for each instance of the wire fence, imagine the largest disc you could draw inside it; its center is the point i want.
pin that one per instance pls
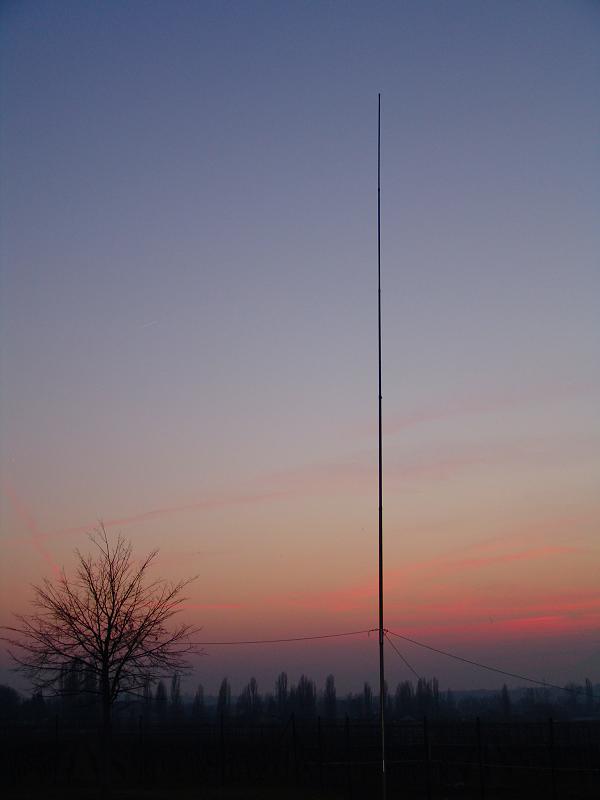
(338, 758)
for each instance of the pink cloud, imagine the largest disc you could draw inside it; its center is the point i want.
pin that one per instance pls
(479, 631)
(209, 606)
(475, 614)
(209, 503)
(356, 473)
(425, 572)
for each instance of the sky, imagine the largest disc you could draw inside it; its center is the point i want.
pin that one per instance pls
(188, 303)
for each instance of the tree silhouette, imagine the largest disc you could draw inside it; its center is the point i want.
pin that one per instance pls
(427, 697)
(37, 706)
(108, 622)
(329, 698)
(198, 706)
(175, 701)
(224, 699)
(147, 700)
(450, 703)
(304, 697)
(404, 700)
(9, 703)
(505, 701)
(367, 701)
(281, 693)
(161, 701)
(589, 696)
(249, 704)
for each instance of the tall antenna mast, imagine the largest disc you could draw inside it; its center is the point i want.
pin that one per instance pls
(381, 628)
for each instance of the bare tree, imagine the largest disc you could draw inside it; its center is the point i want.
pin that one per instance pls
(367, 699)
(175, 701)
(281, 693)
(224, 699)
(110, 621)
(198, 706)
(161, 701)
(329, 698)
(249, 703)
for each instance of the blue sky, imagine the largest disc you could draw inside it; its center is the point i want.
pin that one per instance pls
(188, 247)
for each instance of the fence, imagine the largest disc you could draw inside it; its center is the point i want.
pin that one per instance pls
(429, 759)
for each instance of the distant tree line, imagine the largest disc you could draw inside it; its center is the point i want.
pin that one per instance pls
(162, 702)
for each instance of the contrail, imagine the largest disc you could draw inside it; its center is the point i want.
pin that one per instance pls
(27, 518)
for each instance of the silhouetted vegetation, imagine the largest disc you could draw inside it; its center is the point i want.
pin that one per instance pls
(297, 734)
(102, 635)
(409, 701)
(507, 743)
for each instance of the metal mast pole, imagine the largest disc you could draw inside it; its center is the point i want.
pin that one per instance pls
(381, 628)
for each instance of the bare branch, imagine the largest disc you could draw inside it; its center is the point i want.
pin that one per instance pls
(109, 620)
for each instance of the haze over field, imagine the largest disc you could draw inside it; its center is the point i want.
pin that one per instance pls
(189, 320)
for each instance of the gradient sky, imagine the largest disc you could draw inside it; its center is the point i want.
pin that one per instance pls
(188, 319)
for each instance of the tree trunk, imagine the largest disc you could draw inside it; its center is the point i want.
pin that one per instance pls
(106, 745)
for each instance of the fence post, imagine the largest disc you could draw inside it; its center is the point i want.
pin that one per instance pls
(57, 749)
(295, 747)
(285, 751)
(222, 748)
(480, 759)
(348, 762)
(427, 756)
(320, 755)
(552, 758)
(141, 747)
